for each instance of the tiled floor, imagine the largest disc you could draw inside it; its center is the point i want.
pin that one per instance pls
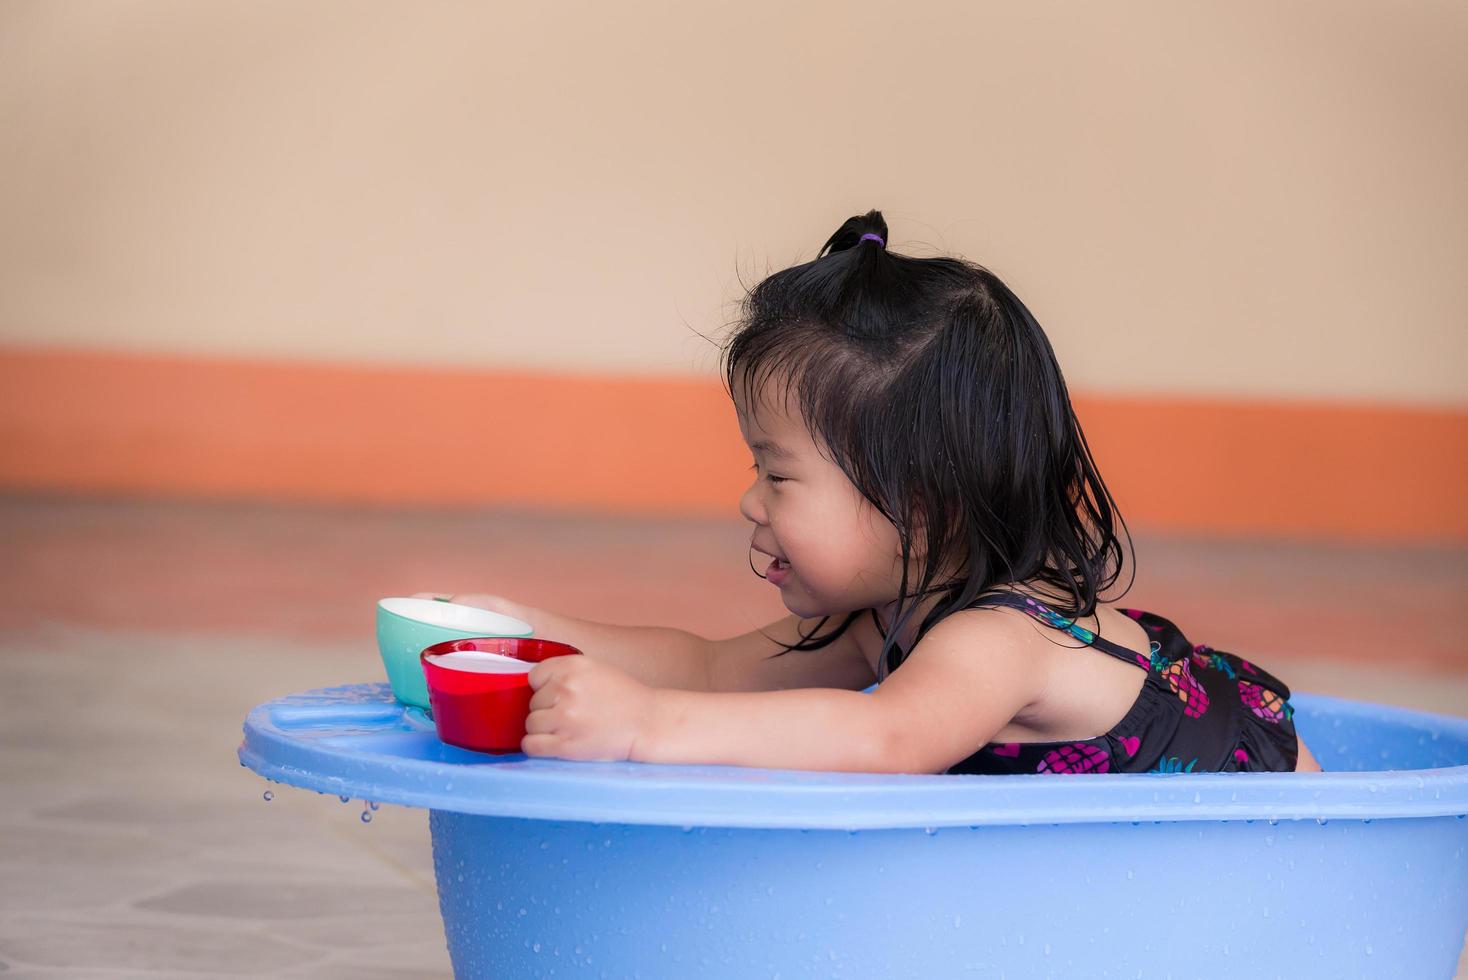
(134, 636)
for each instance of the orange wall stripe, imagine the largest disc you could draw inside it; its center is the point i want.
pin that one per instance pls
(82, 422)
(1345, 471)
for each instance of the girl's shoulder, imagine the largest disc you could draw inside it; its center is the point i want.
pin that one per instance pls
(1122, 632)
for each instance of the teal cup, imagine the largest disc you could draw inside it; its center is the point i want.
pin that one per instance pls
(406, 627)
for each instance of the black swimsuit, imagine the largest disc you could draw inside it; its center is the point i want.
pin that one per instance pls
(1199, 710)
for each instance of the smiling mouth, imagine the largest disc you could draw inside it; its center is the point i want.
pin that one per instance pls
(768, 554)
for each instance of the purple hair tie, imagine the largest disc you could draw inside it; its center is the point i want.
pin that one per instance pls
(875, 238)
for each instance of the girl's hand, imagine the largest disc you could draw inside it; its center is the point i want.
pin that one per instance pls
(584, 709)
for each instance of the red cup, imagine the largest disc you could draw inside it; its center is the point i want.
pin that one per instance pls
(485, 712)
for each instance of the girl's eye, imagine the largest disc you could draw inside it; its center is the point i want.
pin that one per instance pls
(770, 476)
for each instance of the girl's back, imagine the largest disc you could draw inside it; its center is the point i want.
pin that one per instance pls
(1129, 692)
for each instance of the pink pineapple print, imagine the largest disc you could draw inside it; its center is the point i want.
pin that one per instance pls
(1264, 702)
(1075, 759)
(1180, 678)
(1204, 657)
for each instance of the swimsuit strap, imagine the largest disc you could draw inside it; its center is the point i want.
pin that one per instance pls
(1049, 617)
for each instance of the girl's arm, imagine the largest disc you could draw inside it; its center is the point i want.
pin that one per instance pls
(960, 686)
(658, 656)
(664, 657)
(809, 728)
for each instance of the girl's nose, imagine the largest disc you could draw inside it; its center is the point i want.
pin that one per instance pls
(750, 504)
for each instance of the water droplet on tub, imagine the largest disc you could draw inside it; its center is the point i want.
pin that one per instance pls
(345, 799)
(535, 948)
(1369, 950)
(268, 796)
(930, 831)
(366, 816)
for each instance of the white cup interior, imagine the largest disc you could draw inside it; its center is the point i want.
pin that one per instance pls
(451, 615)
(480, 662)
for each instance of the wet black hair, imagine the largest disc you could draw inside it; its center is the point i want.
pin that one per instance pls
(935, 390)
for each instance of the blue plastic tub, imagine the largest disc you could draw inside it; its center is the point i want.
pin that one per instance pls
(571, 869)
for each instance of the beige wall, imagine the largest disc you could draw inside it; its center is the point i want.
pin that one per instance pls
(1220, 198)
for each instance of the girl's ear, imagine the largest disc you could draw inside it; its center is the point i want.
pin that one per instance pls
(950, 565)
(919, 532)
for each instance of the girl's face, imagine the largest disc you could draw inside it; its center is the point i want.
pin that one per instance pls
(842, 554)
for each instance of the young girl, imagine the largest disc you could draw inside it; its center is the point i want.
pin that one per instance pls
(934, 521)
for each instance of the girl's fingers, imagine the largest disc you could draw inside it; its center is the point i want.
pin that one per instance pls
(543, 698)
(538, 745)
(542, 673)
(539, 723)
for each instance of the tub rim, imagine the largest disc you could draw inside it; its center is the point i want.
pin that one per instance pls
(340, 740)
